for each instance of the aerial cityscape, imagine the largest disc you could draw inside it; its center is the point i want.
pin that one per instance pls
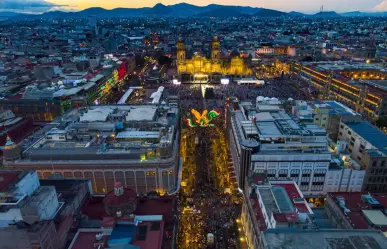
(193, 125)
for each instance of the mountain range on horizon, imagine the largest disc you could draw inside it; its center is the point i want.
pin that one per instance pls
(186, 10)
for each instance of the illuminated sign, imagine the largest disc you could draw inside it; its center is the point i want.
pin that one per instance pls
(203, 119)
(225, 81)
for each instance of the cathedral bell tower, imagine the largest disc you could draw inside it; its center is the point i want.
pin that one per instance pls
(180, 51)
(215, 49)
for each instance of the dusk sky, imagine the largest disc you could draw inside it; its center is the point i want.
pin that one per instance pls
(308, 6)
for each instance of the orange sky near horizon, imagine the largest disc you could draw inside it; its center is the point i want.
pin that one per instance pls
(286, 5)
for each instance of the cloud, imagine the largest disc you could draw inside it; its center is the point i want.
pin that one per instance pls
(28, 6)
(381, 7)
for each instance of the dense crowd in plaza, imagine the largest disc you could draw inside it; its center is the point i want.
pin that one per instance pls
(206, 208)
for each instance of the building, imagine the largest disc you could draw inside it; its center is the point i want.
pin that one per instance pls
(48, 100)
(322, 239)
(265, 139)
(326, 114)
(139, 223)
(344, 175)
(13, 130)
(35, 215)
(359, 86)
(136, 145)
(273, 205)
(367, 145)
(201, 69)
(357, 210)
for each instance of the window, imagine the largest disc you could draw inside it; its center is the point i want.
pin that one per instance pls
(374, 163)
(382, 163)
(340, 133)
(150, 173)
(352, 143)
(349, 133)
(359, 158)
(341, 126)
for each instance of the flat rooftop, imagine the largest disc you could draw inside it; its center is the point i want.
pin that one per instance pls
(370, 133)
(324, 239)
(7, 178)
(295, 195)
(356, 206)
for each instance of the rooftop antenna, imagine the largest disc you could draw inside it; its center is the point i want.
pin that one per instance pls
(322, 9)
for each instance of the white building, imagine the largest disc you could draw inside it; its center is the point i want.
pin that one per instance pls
(265, 139)
(274, 205)
(23, 199)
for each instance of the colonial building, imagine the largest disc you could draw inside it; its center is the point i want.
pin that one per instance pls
(202, 69)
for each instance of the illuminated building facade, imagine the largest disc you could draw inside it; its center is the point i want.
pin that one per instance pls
(46, 103)
(201, 68)
(368, 96)
(135, 145)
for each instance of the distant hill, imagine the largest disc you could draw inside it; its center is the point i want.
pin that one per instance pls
(221, 12)
(295, 13)
(364, 14)
(184, 10)
(159, 9)
(8, 14)
(270, 13)
(329, 14)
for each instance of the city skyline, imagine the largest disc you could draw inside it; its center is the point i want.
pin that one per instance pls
(40, 6)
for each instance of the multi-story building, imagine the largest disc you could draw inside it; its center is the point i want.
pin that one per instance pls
(326, 114)
(357, 210)
(137, 222)
(136, 145)
(359, 86)
(265, 139)
(35, 215)
(322, 239)
(48, 100)
(273, 205)
(367, 144)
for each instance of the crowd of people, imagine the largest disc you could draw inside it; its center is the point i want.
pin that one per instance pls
(206, 208)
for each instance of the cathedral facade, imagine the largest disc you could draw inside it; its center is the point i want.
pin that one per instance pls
(201, 65)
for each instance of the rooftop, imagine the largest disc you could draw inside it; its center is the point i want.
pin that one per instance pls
(281, 199)
(105, 133)
(7, 178)
(324, 239)
(356, 207)
(370, 133)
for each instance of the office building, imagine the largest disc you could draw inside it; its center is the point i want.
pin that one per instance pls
(357, 210)
(367, 144)
(136, 145)
(283, 147)
(273, 205)
(326, 114)
(322, 239)
(359, 86)
(35, 214)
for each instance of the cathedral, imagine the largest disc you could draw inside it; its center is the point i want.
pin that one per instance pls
(201, 68)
